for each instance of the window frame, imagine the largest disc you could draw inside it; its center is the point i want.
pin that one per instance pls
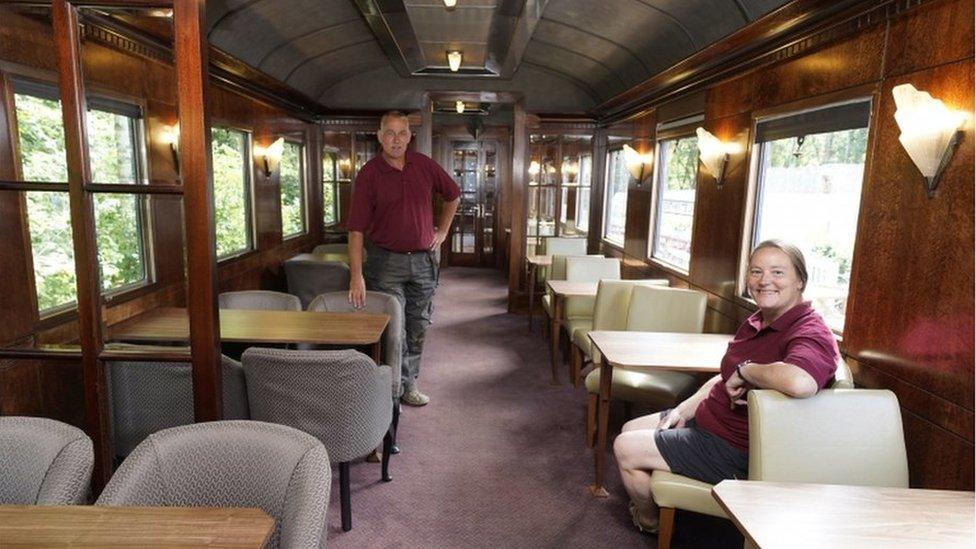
(752, 204)
(249, 193)
(682, 131)
(619, 148)
(46, 86)
(302, 188)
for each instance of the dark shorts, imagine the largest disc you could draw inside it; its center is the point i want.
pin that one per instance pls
(701, 455)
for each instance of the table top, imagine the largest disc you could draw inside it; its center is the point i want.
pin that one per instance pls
(258, 326)
(539, 260)
(780, 514)
(573, 289)
(672, 351)
(100, 526)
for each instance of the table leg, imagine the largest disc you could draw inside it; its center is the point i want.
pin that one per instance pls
(603, 413)
(557, 313)
(532, 275)
(376, 353)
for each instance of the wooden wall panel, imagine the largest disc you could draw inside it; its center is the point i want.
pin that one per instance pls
(912, 279)
(935, 34)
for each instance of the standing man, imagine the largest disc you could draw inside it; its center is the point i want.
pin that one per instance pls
(392, 203)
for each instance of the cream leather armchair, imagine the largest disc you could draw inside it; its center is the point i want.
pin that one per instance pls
(838, 436)
(652, 309)
(609, 314)
(558, 245)
(557, 271)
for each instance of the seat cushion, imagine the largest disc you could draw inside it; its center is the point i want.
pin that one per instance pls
(657, 389)
(578, 307)
(574, 325)
(676, 491)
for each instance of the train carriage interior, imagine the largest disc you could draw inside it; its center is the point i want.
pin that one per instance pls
(638, 272)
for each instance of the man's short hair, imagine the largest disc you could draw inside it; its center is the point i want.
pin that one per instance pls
(393, 114)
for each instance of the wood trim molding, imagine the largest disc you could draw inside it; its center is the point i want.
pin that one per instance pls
(791, 31)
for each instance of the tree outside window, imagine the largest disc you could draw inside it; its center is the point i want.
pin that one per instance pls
(292, 183)
(232, 193)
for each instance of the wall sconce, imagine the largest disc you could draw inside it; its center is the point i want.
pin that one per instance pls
(459, 106)
(271, 155)
(171, 136)
(454, 60)
(714, 154)
(449, 4)
(345, 166)
(571, 169)
(930, 132)
(639, 165)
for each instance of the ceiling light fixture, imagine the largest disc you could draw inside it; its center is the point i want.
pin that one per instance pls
(454, 60)
(450, 3)
(459, 106)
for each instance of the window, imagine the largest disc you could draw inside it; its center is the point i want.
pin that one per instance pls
(232, 191)
(674, 207)
(291, 171)
(615, 211)
(583, 199)
(809, 176)
(116, 154)
(330, 175)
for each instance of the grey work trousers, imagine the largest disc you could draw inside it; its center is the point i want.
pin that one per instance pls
(411, 277)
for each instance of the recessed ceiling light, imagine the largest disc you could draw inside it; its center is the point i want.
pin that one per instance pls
(454, 60)
(459, 106)
(450, 3)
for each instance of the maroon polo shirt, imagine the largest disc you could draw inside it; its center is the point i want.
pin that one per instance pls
(396, 208)
(798, 337)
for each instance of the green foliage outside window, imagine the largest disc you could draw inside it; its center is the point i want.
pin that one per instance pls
(117, 217)
(292, 184)
(677, 179)
(231, 191)
(329, 216)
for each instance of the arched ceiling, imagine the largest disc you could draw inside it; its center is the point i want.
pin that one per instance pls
(563, 55)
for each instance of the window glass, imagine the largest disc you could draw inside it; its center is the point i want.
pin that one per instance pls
(329, 178)
(616, 202)
(292, 182)
(113, 150)
(232, 191)
(809, 194)
(675, 202)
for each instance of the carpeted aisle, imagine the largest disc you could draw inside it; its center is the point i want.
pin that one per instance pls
(497, 459)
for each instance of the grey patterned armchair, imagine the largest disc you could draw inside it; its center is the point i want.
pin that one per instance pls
(308, 278)
(145, 397)
(340, 397)
(259, 299)
(232, 464)
(44, 462)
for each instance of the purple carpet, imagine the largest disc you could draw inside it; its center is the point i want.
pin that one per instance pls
(497, 459)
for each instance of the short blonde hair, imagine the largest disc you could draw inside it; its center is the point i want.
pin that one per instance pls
(791, 251)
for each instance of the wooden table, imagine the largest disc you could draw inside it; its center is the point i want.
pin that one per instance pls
(100, 526)
(780, 514)
(258, 326)
(535, 261)
(561, 289)
(674, 352)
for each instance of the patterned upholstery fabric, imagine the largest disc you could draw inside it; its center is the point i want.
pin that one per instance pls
(259, 299)
(340, 397)
(43, 462)
(145, 397)
(376, 302)
(281, 470)
(308, 278)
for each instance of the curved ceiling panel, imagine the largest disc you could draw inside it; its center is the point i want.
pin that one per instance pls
(572, 55)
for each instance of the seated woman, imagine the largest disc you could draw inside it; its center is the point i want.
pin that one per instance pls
(785, 346)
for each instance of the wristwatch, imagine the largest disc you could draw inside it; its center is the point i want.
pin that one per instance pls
(738, 370)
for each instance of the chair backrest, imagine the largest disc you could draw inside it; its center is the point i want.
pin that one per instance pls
(309, 278)
(281, 470)
(592, 269)
(331, 249)
(838, 436)
(43, 462)
(553, 245)
(259, 299)
(340, 397)
(146, 397)
(657, 309)
(557, 270)
(376, 302)
(613, 302)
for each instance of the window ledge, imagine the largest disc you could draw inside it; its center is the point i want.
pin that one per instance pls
(669, 268)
